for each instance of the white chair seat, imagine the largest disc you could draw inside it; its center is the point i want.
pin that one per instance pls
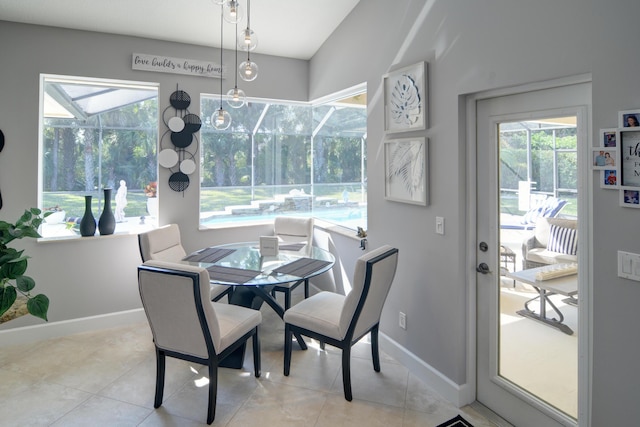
(234, 321)
(320, 313)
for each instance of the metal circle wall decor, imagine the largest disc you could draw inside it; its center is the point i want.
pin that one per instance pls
(178, 181)
(177, 149)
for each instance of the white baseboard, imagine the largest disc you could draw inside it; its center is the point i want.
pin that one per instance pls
(28, 334)
(456, 394)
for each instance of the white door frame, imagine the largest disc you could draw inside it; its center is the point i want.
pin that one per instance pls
(585, 185)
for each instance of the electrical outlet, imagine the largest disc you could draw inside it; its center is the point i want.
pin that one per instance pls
(402, 320)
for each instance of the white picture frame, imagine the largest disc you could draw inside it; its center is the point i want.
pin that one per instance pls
(609, 179)
(630, 197)
(609, 138)
(604, 158)
(629, 157)
(623, 118)
(406, 163)
(406, 99)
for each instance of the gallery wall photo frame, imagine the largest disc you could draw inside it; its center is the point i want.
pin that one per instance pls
(609, 179)
(609, 137)
(629, 157)
(629, 118)
(406, 163)
(406, 98)
(604, 158)
(630, 197)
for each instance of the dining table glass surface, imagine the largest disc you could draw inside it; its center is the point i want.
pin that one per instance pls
(270, 269)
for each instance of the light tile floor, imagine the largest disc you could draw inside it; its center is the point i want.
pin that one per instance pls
(107, 378)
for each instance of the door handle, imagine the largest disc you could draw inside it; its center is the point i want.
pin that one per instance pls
(483, 268)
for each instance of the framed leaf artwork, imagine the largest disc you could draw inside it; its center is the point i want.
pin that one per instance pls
(406, 163)
(405, 99)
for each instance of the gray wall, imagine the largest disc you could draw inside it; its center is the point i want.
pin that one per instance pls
(473, 47)
(96, 276)
(470, 47)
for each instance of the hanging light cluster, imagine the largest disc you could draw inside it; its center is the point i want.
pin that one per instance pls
(246, 40)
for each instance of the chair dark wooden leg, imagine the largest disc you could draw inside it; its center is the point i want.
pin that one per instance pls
(287, 299)
(288, 338)
(160, 369)
(306, 288)
(375, 352)
(322, 345)
(346, 371)
(257, 364)
(213, 391)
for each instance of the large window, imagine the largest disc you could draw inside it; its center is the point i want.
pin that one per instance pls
(281, 158)
(97, 134)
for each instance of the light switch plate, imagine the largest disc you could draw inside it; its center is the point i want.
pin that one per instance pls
(439, 225)
(629, 265)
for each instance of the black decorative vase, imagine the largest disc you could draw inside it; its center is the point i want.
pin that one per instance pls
(88, 222)
(107, 222)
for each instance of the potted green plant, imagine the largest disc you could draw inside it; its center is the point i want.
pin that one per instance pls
(13, 264)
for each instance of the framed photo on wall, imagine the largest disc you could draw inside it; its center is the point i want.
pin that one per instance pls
(629, 118)
(630, 198)
(406, 99)
(629, 158)
(406, 169)
(603, 158)
(609, 179)
(609, 138)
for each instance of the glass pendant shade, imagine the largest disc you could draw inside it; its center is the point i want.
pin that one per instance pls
(248, 70)
(232, 12)
(236, 98)
(247, 40)
(221, 119)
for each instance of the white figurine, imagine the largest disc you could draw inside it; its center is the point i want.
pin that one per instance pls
(121, 201)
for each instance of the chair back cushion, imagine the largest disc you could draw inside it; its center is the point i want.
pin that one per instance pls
(175, 298)
(563, 240)
(373, 275)
(293, 229)
(162, 243)
(543, 228)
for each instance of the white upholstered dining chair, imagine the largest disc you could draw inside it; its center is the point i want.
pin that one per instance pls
(187, 325)
(165, 244)
(292, 230)
(341, 321)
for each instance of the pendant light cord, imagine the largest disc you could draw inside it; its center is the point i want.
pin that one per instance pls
(221, 42)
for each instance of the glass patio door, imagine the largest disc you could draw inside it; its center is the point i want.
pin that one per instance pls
(527, 167)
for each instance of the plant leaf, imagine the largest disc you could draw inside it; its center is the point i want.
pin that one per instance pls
(38, 306)
(8, 296)
(13, 269)
(25, 283)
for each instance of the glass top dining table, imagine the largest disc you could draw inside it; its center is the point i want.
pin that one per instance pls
(241, 264)
(253, 275)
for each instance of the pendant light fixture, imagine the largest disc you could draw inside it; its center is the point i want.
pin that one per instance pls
(248, 69)
(232, 12)
(236, 97)
(248, 39)
(221, 119)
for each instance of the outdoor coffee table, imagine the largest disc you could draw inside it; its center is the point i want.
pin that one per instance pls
(566, 285)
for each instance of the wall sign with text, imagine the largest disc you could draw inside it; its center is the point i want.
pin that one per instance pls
(166, 64)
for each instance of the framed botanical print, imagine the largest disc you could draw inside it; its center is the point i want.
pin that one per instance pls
(406, 163)
(406, 99)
